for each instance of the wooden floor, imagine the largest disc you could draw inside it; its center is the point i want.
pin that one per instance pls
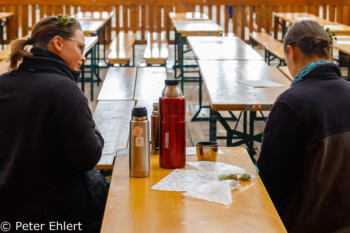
(196, 131)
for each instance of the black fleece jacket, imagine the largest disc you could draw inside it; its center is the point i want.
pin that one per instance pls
(305, 155)
(47, 142)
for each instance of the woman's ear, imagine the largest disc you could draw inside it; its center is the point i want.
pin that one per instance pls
(56, 43)
(291, 52)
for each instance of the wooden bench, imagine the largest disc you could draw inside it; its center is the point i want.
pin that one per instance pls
(122, 48)
(156, 51)
(273, 48)
(274, 52)
(285, 71)
(119, 84)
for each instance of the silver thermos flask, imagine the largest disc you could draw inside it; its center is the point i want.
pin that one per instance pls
(139, 152)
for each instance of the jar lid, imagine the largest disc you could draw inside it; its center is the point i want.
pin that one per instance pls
(171, 82)
(139, 111)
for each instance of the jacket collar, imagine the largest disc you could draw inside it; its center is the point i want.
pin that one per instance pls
(45, 61)
(324, 72)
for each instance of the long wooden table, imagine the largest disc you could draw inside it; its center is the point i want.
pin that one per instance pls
(133, 207)
(228, 92)
(187, 26)
(219, 48)
(293, 17)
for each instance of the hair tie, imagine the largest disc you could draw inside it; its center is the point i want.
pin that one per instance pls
(29, 41)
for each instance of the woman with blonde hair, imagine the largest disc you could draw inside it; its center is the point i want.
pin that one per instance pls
(48, 139)
(305, 154)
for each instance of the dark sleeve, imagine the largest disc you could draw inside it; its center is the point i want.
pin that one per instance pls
(279, 162)
(83, 142)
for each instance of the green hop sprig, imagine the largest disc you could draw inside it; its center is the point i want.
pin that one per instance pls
(243, 177)
(65, 20)
(331, 35)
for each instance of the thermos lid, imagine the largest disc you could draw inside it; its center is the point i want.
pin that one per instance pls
(171, 82)
(139, 111)
(156, 106)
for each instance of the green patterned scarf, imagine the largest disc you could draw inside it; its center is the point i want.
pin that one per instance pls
(307, 69)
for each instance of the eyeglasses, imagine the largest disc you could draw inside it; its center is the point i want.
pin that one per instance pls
(81, 46)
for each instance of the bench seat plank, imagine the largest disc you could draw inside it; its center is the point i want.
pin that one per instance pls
(264, 39)
(156, 51)
(120, 50)
(276, 51)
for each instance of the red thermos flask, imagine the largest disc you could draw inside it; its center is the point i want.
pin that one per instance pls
(172, 126)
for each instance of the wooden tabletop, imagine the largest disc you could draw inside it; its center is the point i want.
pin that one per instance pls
(133, 207)
(150, 83)
(4, 15)
(198, 28)
(342, 44)
(4, 66)
(188, 16)
(91, 26)
(119, 84)
(222, 48)
(112, 119)
(90, 41)
(227, 92)
(192, 27)
(293, 17)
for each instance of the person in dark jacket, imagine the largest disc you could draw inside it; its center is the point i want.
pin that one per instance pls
(48, 138)
(305, 154)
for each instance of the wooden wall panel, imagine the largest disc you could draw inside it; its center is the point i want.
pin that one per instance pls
(235, 20)
(218, 14)
(251, 14)
(339, 11)
(243, 21)
(227, 18)
(258, 18)
(153, 14)
(331, 13)
(167, 10)
(125, 18)
(33, 16)
(143, 22)
(24, 20)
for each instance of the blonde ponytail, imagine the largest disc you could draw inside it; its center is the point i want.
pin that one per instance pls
(17, 53)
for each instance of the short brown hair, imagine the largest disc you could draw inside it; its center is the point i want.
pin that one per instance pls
(43, 31)
(309, 37)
